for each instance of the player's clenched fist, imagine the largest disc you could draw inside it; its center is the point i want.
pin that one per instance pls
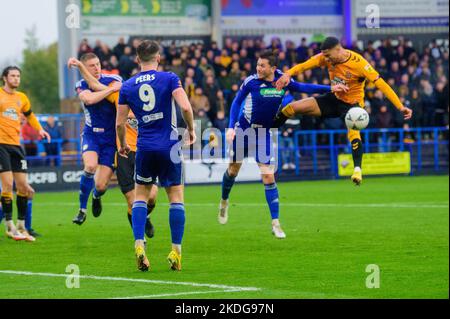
(190, 137)
(231, 133)
(73, 63)
(116, 86)
(339, 88)
(407, 113)
(124, 150)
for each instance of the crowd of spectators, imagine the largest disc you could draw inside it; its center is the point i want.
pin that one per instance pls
(212, 76)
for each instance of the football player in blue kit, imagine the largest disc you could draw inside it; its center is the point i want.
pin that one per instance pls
(124, 166)
(251, 118)
(98, 138)
(151, 96)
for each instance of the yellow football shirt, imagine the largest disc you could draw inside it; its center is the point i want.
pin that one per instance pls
(11, 105)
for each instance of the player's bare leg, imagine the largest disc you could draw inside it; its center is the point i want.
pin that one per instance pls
(7, 180)
(102, 178)
(22, 204)
(272, 197)
(307, 106)
(90, 160)
(357, 151)
(227, 183)
(177, 220)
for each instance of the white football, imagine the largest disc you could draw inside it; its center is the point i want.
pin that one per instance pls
(357, 118)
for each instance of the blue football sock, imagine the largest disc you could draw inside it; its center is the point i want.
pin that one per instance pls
(177, 220)
(86, 186)
(139, 217)
(98, 194)
(227, 184)
(272, 200)
(29, 215)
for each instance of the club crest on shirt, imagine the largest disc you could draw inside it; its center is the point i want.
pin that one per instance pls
(133, 123)
(369, 68)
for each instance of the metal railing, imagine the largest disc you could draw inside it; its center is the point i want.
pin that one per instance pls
(428, 148)
(315, 152)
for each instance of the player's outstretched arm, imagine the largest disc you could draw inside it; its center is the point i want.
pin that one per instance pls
(372, 75)
(312, 63)
(392, 96)
(315, 88)
(121, 120)
(182, 100)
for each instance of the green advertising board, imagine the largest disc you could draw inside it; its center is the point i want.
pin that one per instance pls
(377, 163)
(146, 17)
(158, 8)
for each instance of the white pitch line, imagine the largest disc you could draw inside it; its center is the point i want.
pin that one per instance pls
(149, 281)
(180, 294)
(363, 205)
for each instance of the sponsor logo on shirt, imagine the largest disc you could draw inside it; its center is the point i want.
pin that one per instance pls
(153, 117)
(11, 113)
(271, 92)
(338, 80)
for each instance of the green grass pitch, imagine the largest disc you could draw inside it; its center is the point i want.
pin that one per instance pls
(334, 230)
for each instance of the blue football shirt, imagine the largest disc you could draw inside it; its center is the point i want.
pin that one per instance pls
(258, 101)
(100, 118)
(149, 95)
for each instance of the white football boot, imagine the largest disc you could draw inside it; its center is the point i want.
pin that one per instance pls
(277, 231)
(223, 212)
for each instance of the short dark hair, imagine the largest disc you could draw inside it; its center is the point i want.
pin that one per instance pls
(88, 56)
(271, 56)
(8, 69)
(147, 50)
(329, 43)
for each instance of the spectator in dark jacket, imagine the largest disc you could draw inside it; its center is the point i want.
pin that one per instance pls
(384, 118)
(416, 105)
(119, 48)
(442, 104)
(302, 51)
(53, 148)
(127, 63)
